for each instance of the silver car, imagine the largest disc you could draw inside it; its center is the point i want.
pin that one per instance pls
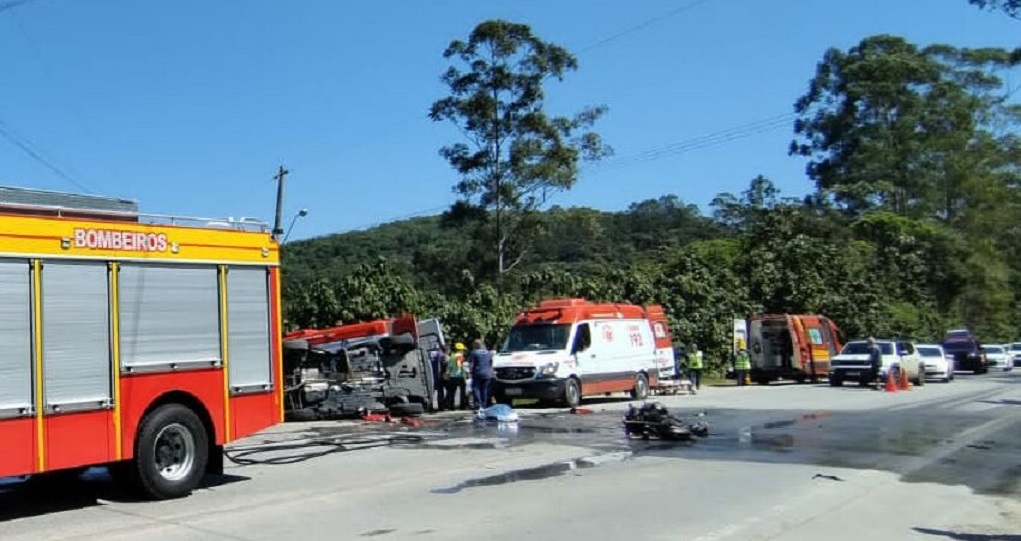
(997, 357)
(1015, 353)
(938, 365)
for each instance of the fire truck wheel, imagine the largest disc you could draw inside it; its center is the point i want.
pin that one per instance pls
(641, 389)
(171, 452)
(572, 393)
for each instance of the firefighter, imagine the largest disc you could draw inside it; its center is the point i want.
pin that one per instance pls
(456, 384)
(695, 367)
(742, 365)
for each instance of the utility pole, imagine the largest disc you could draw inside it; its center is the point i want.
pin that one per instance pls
(278, 228)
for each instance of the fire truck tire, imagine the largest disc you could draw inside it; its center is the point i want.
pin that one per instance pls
(641, 388)
(572, 393)
(171, 452)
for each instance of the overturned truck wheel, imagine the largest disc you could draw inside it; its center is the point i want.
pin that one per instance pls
(406, 409)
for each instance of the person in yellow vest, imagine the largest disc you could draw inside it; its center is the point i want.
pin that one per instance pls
(695, 367)
(742, 365)
(456, 379)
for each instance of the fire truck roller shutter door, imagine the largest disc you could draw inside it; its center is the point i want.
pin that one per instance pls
(15, 338)
(248, 324)
(169, 317)
(77, 367)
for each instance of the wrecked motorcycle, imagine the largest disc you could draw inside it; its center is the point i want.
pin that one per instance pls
(653, 420)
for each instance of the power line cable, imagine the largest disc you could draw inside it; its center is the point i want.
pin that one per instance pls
(11, 4)
(28, 149)
(645, 24)
(699, 142)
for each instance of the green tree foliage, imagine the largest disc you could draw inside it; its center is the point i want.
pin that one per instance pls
(893, 126)
(1010, 7)
(516, 155)
(916, 261)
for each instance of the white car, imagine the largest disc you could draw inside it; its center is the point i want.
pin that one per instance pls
(852, 363)
(997, 357)
(938, 365)
(1015, 353)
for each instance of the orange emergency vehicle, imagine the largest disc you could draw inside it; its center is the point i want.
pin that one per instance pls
(791, 346)
(142, 342)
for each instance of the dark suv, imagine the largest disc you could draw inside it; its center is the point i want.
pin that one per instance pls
(967, 354)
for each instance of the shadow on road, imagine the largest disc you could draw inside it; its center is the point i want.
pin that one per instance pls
(44, 496)
(1002, 402)
(968, 536)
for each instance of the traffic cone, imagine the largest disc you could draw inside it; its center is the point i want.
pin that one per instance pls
(905, 385)
(891, 384)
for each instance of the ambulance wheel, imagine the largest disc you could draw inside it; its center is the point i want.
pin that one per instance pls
(641, 389)
(572, 393)
(171, 452)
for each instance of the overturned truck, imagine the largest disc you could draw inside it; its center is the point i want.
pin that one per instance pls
(380, 366)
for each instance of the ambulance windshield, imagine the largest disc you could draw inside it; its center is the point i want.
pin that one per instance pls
(536, 337)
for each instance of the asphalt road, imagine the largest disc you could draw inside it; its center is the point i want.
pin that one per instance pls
(782, 462)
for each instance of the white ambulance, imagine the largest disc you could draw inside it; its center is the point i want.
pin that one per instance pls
(567, 349)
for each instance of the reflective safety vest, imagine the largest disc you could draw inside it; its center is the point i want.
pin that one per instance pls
(742, 362)
(695, 360)
(455, 365)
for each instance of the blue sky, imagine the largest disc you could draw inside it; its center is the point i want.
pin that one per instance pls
(190, 106)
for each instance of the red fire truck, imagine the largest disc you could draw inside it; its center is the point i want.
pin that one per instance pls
(142, 342)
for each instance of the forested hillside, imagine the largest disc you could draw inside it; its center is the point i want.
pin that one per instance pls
(914, 225)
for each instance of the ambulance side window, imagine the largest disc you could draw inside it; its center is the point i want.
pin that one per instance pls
(582, 338)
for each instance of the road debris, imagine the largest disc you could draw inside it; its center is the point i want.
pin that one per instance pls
(653, 420)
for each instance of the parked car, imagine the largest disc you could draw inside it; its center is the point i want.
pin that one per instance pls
(938, 365)
(852, 363)
(957, 334)
(1015, 354)
(967, 354)
(997, 358)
